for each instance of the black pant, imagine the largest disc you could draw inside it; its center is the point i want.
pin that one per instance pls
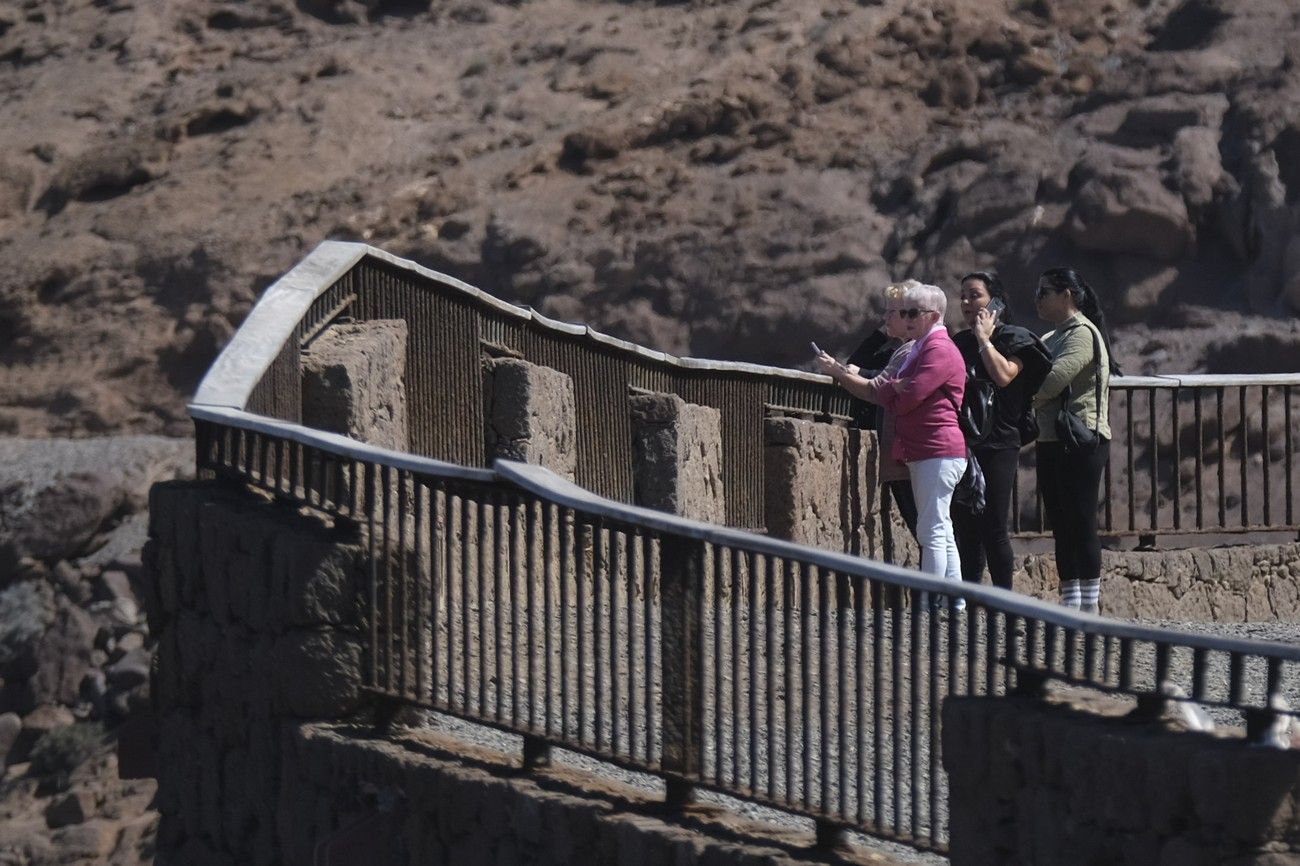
(902, 494)
(987, 533)
(1071, 485)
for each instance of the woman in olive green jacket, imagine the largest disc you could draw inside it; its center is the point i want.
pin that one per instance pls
(1070, 479)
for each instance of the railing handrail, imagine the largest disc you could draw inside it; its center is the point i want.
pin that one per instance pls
(545, 484)
(240, 366)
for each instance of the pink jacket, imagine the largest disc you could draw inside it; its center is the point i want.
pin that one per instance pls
(925, 412)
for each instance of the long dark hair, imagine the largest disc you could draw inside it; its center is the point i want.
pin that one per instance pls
(1085, 298)
(993, 283)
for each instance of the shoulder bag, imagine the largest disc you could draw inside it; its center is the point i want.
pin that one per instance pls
(1075, 436)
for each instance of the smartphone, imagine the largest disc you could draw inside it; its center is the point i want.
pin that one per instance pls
(816, 349)
(996, 307)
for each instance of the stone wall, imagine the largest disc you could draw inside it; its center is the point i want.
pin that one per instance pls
(268, 752)
(1241, 583)
(677, 457)
(1051, 785)
(531, 415)
(255, 608)
(353, 382)
(823, 486)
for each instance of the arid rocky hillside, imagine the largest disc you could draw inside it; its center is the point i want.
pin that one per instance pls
(723, 179)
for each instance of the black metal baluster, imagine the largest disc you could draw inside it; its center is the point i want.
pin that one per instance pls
(736, 659)
(1245, 456)
(1178, 463)
(1265, 448)
(1132, 465)
(753, 606)
(1200, 458)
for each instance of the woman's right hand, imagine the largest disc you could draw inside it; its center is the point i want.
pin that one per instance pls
(828, 366)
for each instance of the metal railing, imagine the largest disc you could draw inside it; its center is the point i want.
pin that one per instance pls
(803, 679)
(1189, 454)
(1194, 454)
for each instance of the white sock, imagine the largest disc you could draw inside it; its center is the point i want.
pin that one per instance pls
(1090, 594)
(1070, 595)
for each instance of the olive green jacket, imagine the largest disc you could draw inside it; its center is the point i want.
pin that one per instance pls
(1073, 364)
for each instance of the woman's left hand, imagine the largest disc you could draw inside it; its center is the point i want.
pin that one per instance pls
(985, 322)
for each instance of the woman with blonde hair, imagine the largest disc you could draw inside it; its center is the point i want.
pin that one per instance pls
(924, 398)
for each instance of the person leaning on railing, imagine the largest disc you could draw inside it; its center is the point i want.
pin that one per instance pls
(1069, 474)
(924, 399)
(1013, 362)
(878, 358)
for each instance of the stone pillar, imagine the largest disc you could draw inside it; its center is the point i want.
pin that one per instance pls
(531, 415)
(677, 457)
(823, 486)
(257, 611)
(1032, 781)
(353, 382)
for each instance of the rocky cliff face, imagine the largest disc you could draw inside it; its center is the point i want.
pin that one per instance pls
(724, 179)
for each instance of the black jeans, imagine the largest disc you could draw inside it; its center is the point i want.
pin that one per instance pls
(901, 492)
(987, 534)
(1071, 486)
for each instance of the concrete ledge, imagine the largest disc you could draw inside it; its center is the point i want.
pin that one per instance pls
(439, 808)
(1063, 783)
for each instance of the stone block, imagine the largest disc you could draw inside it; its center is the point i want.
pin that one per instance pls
(315, 581)
(677, 457)
(1108, 790)
(804, 473)
(317, 673)
(531, 415)
(353, 382)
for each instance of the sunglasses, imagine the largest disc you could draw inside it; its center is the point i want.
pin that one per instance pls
(1044, 291)
(909, 314)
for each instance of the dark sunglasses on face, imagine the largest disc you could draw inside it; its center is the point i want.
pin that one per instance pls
(910, 313)
(1043, 291)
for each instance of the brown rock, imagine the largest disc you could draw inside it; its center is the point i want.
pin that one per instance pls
(11, 726)
(105, 172)
(71, 808)
(15, 189)
(91, 840)
(64, 655)
(1124, 211)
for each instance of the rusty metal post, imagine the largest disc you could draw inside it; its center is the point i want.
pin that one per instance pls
(681, 575)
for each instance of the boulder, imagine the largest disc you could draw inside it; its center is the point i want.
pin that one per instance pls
(57, 495)
(105, 172)
(11, 725)
(71, 808)
(64, 655)
(1197, 166)
(1129, 211)
(26, 610)
(15, 189)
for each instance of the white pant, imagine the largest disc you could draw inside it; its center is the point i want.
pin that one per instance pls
(933, 481)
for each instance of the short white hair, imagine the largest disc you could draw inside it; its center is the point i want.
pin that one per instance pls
(926, 297)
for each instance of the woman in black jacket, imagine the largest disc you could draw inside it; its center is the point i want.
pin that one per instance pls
(1014, 362)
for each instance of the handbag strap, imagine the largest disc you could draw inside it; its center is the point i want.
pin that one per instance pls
(1096, 360)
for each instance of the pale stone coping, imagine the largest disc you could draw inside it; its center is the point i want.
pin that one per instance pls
(233, 376)
(240, 366)
(1207, 380)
